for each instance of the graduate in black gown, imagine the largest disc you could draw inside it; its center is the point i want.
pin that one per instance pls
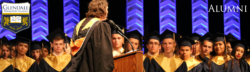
(36, 51)
(230, 38)
(168, 61)
(152, 41)
(239, 52)
(219, 60)
(206, 47)
(23, 63)
(195, 47)
(5, 65)
(135, 38)
(67, 47)
(91, 41)
(45, 48)
(58, 60)
(185, 51)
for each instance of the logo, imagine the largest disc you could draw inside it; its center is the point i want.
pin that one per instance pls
(15, 16)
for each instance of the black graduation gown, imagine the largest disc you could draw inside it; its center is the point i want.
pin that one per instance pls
(5, 66)
(244, 65)
(95, 54)
(25, 65)
(63, 63)
(194, 65)
(204, 63)
(218, 65)
(163, 64)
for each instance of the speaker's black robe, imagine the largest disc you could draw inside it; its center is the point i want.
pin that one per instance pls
(218, 64)
(25, 65)
(5, 66)
(164, 64)
(54, 63)
(95, 53)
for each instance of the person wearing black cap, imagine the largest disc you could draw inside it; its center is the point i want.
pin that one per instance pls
(67, 47)
(168, 58)
(6, 50)
(5, 60)
(58, 60)
(185, 50)
(239, 52)
(36, 52)
(135, 38)
(117, 42)
(219, 60)
(45, 48)
(23, 63)
(152, 41)
(230, 38)
(13, 48)
(206, 47)
(196, 47)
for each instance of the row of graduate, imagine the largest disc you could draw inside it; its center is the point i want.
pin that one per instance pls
(170, 52)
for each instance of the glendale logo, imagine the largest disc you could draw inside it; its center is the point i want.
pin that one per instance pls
(225, 8)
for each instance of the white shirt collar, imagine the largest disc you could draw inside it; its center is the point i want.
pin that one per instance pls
(150, 54)
(57, 55)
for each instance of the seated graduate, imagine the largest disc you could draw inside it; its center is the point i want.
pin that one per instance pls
(13, 48)
(58, 60)
(5, 65)
(168, 61)
(195, 47)
(117, 42)
(230, 38)
(23, 63)
(36, 52)
(45, 48)
(67, 47)
(135, 38)
(185, 51)
(6, 49)
(152, 41)
(239, 52)
(206, 47)
(219, 60)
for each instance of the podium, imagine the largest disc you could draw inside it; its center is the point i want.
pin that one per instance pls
(130, 62)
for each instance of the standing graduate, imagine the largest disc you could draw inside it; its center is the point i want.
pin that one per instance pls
(23, 63)
(91, 41)
(45, 48)
(5, 65)
(36, 51)
(152, 41)
(219, 60)
(117, 42)
(13, 48)
(185, 51)
(230, 38)
(135, 38)
(58, 60)
(195, 47)
(168, 61)
(206, 47)
(239, 52)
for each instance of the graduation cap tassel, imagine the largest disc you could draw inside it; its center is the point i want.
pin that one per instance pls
(29, 49)
(50, 49)
(225, 45)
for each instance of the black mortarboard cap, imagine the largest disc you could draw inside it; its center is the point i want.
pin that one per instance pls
(45, 44)
(152, 35)
(134, 34)
(241, 43)
(207, 36)
(219, 37)
(186, 41)
(230, 37)
(5, 41)
(195, 36)
(22, 40)
(67, 39)
(35, 45)
(115, 31)
(13, 42)
(169, 34)
(55, 33)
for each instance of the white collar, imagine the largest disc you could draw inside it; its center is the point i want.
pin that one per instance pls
(57, 55)
(120, 51)
(150, 54)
